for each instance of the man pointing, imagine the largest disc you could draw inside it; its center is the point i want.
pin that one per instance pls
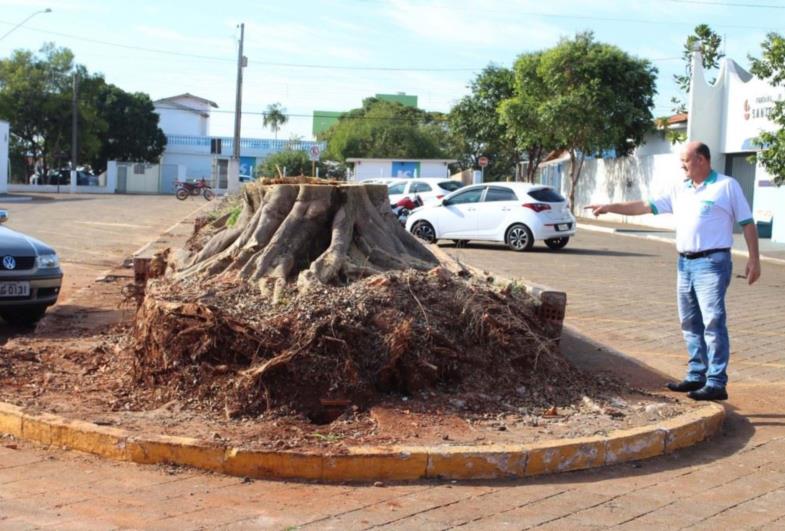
(705, 206)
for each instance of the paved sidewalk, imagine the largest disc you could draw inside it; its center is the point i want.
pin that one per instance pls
(769, 250)
(621, 294)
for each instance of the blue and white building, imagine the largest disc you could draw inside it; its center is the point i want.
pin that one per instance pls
(185, 120)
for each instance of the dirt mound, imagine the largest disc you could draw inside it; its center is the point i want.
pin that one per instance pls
(341, 346)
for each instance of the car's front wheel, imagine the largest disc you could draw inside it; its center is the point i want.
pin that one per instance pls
(424, 230)
(557, 243)
(519, 237)
(28, 315)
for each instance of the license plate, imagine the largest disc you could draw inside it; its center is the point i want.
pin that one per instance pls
(562, 226)
(14, 289)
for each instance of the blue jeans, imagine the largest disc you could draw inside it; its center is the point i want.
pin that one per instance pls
(701, 286)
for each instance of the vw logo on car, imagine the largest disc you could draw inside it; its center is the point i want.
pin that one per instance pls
(9, 262)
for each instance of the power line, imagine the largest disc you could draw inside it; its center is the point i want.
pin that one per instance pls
(312, 66)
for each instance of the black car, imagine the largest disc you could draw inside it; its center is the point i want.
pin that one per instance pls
(63, 177)
(30, 276)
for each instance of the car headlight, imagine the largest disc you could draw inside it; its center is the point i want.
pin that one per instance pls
(47, 261)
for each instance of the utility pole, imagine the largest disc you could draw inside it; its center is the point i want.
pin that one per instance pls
(74, 131)
(233, 178)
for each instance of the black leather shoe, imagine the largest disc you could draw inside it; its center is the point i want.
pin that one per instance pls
(684, 386)
(709, 393)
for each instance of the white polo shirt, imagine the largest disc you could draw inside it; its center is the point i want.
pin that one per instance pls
(705, 214)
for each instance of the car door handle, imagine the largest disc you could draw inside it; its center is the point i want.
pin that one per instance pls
(506, 209)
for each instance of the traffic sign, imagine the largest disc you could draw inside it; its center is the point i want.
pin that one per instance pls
(314, 152)
(482, 161)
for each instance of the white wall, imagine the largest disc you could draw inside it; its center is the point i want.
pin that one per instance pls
(182, 122)
(5, 131)
(626, 179)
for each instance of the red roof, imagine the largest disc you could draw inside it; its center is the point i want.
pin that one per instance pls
(677, 118)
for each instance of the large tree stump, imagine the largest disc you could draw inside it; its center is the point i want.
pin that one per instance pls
(309, 233)
(316, 296)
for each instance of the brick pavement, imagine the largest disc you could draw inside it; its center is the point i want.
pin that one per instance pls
(620, 294)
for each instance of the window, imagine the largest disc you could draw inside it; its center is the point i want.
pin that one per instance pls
(469, 196)
(450, 186)
(396, 189)
(496, 193)
(546, 195)
(420, 187)
(138, 169)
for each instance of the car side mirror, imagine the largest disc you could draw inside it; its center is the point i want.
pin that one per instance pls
(445, 202)
(3, 216)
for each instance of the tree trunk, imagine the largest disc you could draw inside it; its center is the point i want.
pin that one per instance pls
(308, 233)
(576, 165)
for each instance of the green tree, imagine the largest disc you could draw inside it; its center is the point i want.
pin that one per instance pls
(522, 113)
(131, 131)
(35, 98)
(771, 67)
(708, 43)
(291, 161)
(274, 117)
(36, 93)
(383, 129)
(595, 98)
(476, 129)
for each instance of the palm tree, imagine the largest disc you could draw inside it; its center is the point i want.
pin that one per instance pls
(275, 117)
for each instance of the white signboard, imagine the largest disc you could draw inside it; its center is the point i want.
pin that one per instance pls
(314, 152)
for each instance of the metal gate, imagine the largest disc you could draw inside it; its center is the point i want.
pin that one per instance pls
(168, 177)
(122, 178)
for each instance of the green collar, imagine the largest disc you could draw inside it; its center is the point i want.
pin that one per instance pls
(709, 180)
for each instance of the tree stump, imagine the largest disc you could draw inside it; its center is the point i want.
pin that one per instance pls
(317, 296)
(307, 233)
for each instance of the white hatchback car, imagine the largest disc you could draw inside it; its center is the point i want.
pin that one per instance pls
(514, 213)
(431, 190)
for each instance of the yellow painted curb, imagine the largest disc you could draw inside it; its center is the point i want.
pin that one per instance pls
(371, 463)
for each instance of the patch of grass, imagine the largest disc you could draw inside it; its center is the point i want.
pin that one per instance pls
(235, 214)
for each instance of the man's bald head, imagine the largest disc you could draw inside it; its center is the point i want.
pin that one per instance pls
(696, 161)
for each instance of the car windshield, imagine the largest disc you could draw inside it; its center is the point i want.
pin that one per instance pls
(420, 187)
(450, 186)
(546, 195)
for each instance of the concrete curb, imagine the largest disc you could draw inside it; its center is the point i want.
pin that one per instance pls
(398, 463)
(611, 230)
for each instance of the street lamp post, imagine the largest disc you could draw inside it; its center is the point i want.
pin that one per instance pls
(7, 33)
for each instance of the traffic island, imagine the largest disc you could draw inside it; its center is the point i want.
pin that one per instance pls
(395, 463)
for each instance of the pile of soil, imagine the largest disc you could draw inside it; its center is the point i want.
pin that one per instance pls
(335, 347)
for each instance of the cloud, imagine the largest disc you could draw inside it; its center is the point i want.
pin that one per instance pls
(310, 44)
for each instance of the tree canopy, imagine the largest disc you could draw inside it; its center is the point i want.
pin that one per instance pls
(588, 97)
(384, 129)
(771, 67)
(36, 92)
(475, 128)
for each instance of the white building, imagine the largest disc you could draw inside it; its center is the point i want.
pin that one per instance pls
(185, 120)
(4, 163)
(727, 116)
(363, 169)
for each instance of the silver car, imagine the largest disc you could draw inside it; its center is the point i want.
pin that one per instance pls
(30, 276)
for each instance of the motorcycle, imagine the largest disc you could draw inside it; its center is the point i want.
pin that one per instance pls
(404, 207)
(183, 189)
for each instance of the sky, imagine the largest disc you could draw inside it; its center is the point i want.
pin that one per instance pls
(328, 55)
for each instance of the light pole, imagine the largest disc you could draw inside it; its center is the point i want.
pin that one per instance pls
(7, 33)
